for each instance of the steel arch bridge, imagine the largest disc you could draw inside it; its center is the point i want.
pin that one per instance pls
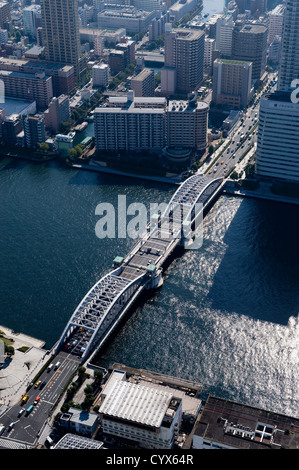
(110, 298)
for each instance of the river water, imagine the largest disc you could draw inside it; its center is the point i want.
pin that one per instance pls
(226, 316)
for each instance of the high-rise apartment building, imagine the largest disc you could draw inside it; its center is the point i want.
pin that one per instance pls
(32, 19)
(277, 154)
(34, 130)
(5, 14)
(61, 32)
(131, 124)
(250, 44)
(289, 60)
(224, 35)
(232, 82)
(187, 124)
(184, 53)
(143, 84)
(275, 22)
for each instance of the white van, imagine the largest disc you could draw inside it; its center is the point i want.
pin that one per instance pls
(57, 365)
(2, 429)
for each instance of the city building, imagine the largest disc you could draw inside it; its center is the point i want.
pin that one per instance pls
(11, 126)
(225, 424)
(146, 416)
(275, 22)
(210, 46)
(79, 421)
(135, 21)
(100, 75)
(34, 130)
(5, 14)
(65, 142)
(32, 19)
(60, 22)
(130, 124)
(224, 35)
(33, 87)
(157, 26)
(184, 54)
(73, 441)
(57, 113)
(277, 153)
(187, 124)
(289, 61)
(250, 44)
(180, 9)
(232, 82)
(63, 76)
(143, 84)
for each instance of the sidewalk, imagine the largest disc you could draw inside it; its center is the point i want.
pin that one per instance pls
(19, 370)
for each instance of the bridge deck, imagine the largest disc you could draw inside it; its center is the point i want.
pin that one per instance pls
(108, 298)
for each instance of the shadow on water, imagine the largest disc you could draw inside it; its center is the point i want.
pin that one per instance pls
(259, 272)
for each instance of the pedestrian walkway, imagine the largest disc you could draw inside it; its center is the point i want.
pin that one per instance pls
(21, 368)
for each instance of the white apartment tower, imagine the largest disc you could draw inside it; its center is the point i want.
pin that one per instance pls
(289, 60)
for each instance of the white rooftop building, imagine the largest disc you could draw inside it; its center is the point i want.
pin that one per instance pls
(145, 416)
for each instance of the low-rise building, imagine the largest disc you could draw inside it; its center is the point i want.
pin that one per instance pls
(79, 421)
(146, 416)
(225, 424)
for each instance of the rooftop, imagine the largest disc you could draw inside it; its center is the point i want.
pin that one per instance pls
(137, 403)
(245, 427)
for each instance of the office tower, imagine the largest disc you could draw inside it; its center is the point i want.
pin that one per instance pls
(184, 59)
(34, 130)
(224, 35)
(143, 84)
(289, 61)
(61, 32)
(277, 154)
(250, 44)
(232, 82)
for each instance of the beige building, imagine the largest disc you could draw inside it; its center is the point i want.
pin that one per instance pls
(184, 53)
(61, 32)
(232, 82)
(144, 83)
(187, 124)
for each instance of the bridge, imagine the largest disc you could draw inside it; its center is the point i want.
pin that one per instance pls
(110, 298)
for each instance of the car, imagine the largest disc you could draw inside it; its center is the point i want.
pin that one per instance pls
(10, 426)
(57, 365)
(21, 412)
(36, 401)
(2, 429)
(25, 398)
(42, 384)
(50, 367)
(37, 384)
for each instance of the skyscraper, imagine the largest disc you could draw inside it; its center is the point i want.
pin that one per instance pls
(61, 32)
(289, 60)
(250, 44)
(184, 53)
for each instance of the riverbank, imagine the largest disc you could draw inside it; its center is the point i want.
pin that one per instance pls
(101, 168)
(262, 192)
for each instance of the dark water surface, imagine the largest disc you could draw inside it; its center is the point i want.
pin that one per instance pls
(226, 316)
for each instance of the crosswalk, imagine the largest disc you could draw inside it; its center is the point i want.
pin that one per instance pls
(8, 444)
